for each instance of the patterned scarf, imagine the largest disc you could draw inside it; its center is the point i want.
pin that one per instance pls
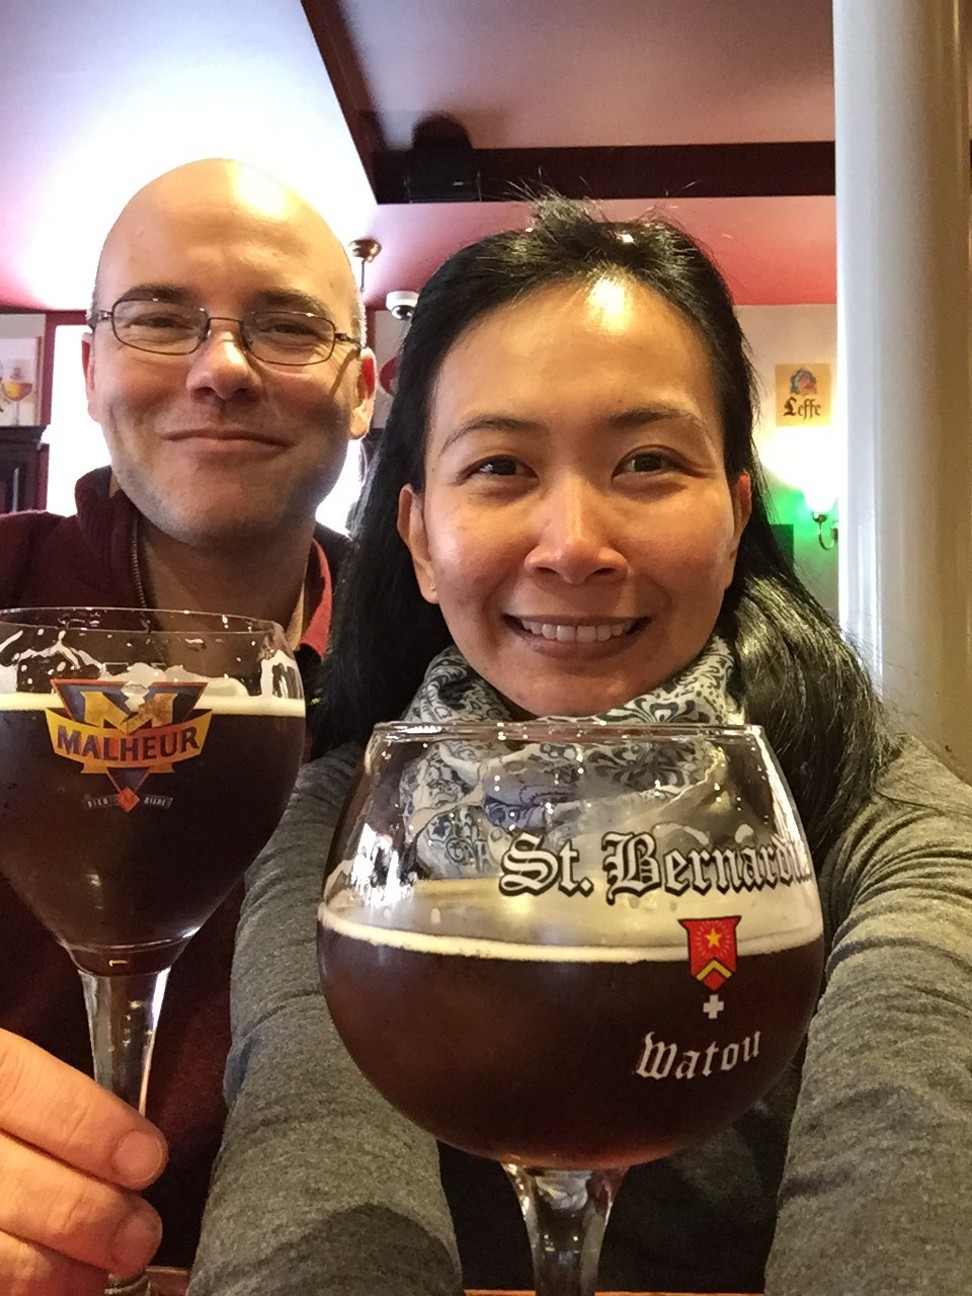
(445, 796)
(699, 694)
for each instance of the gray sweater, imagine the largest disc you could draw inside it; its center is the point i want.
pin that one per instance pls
(852, 1178)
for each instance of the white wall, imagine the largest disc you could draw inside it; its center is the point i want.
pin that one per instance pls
(75, 440)
(798, 458)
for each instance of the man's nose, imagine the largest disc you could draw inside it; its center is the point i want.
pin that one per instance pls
(576, 533)
(221, 363)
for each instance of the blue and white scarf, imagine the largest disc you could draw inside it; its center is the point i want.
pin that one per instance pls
(444, 797)
(699, 694)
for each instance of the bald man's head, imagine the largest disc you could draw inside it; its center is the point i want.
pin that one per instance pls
(246, 195)
(212, 442)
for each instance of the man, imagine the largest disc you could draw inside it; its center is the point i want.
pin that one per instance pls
(226, 369)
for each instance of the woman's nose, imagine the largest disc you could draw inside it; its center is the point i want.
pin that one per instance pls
(576, 534)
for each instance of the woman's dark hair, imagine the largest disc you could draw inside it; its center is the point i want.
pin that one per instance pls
(798, 677)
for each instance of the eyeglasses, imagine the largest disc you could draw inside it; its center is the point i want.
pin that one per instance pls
(171, 328)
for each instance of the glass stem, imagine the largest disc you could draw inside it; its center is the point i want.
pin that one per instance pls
(123, 1013)
(566, 1213)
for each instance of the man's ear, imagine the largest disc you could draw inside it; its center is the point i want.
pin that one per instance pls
(88, 365)
(365, 406)
(411, 527)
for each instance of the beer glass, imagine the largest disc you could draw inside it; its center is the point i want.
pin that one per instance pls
(571, 947)
(145, 758)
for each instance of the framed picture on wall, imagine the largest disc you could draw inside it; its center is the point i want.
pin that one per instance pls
(803, 395)
(20, 381)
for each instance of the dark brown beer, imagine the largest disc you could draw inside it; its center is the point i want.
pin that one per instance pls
(122, 876)
(563, 1058)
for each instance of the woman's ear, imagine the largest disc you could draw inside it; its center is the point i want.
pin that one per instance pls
(741, 491)
(742, 506)
(411, 527)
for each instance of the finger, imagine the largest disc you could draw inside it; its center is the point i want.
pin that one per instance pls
(54, 1206)
(29, 1270)
(51, 1106)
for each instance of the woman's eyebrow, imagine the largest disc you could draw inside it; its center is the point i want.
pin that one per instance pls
(635, 417)
(643, 415)
(490, 423)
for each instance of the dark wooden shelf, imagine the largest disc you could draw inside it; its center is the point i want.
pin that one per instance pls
(23, 469)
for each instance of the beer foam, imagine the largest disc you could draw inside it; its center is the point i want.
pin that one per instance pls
(246, 704)
(28, 701)
(471, 919)
(243, 704)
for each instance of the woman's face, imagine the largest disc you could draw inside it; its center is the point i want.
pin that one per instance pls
(576, 527)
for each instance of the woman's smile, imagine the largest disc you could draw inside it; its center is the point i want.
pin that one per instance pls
(581, 633)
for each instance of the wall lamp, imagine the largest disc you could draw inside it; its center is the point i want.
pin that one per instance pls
(821, 504)
(821, 520)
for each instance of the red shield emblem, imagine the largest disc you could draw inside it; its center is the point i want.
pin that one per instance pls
(712, 949)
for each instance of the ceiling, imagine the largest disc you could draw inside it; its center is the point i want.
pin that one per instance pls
(721, 114)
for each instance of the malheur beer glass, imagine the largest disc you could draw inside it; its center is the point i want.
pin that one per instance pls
(570, 947)
(145, 758)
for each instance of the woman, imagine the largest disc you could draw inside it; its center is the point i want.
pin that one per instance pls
(569, 463)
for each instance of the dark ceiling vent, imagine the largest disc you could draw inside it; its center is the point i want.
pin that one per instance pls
(442, 163)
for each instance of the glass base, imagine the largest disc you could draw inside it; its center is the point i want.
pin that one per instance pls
(168, 1282)
(138, 1285)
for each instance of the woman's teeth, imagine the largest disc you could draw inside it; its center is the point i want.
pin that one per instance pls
(582, 634)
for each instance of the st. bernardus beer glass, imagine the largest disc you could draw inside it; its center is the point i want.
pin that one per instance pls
(570, 947)
(145, 758)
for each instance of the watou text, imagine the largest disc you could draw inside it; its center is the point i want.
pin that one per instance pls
(661, 1061)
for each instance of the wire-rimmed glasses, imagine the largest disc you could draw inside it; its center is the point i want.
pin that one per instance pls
(280, 337)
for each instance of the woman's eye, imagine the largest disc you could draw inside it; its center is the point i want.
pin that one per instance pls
(498, 466)
(648, 461)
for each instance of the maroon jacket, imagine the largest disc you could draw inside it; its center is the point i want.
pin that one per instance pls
(48, 560)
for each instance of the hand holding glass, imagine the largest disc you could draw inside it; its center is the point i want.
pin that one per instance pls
(570, 947)
(145, 758)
